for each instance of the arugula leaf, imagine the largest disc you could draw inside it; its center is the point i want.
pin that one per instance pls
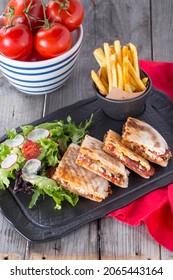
(77, 133)
(35, 197)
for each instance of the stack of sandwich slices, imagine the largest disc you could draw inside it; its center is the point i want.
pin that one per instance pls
(88, 169)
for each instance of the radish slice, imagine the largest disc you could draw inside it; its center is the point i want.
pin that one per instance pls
(28, 177)
(9, 161)
(15, 142)
(31, 167)
(38, 133)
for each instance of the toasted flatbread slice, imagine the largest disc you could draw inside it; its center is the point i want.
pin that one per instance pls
(114, 147)
(92, 157)
(78, 179)
(146, 141)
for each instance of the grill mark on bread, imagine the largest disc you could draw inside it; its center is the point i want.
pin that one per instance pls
(78, 179)
(146, 141)
(138, 126)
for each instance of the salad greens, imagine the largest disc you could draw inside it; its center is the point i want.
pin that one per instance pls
(51, 148)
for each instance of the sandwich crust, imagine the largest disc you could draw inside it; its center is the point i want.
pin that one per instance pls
(146, 141)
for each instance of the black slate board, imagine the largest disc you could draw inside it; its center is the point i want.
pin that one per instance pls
(43, 223)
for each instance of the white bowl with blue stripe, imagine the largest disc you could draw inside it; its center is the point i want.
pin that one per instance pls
(46, 76)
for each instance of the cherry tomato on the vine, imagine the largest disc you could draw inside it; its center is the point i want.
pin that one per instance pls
(33, 56)
(29, 12)
(31, 150)
(69, 12)
(16, 41)
(53, 40)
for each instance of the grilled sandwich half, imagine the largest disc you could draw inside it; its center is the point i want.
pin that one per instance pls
(146, 141)
(92, 157)
(79, 180)
(114, 147)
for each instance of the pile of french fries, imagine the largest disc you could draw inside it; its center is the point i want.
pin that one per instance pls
(118, 68)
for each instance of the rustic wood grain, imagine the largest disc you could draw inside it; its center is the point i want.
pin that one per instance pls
(10, 257)
(120, 241)
(16, 108)
(162, 36)
(146, 23)
(80, 244)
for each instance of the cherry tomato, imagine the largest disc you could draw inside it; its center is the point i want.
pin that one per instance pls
(53, 41)
(69, 12)
(1, 21)
(32, 56)
(28, 12)
(16, 41)
(31, 150)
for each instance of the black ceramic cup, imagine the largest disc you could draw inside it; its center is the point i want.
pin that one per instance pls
(122, 109)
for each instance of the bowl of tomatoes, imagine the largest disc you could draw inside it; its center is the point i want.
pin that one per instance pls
(40, 43)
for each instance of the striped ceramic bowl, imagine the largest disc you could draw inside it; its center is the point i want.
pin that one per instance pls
(46, 76)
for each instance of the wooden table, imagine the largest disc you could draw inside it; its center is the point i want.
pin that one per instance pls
(146, 23)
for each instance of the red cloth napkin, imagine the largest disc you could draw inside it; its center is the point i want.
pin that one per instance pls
(155, 209)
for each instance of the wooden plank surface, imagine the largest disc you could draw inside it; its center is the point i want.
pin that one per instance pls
(15, 109)
(162, 36)
(147, 24)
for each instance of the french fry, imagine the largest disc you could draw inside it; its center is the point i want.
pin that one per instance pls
(112, 51)
(119, 68)
(108, 65)
(105, 84)
(135, 62)
(117, 47)
(145, 80)
(126, 77)
(135, 76)
(100, 57)
(128, 88)
(98, 83)
(103, 73)
(133, 87)
(133, 84)
(114, 71)
(119, 76)
(130, 56)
